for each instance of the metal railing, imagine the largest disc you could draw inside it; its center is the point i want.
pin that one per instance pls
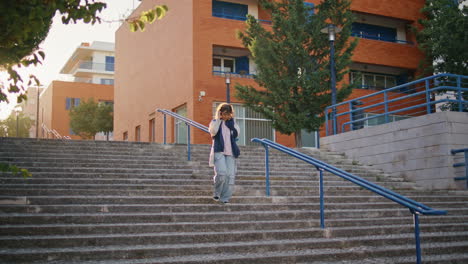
(379, 37)
(461, 164)
(94, 66)
(240, 18)
(234, 74)
(187, 122)
(412, 99)
(415, 208)
(54, 133)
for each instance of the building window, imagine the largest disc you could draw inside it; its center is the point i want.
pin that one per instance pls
(152, 130)
(107, 81)
(110, 63)
(368, 31)
(180, 126)
(251, 124)
(137, 133)
(71, 102)
(125, 136)
(230, 10)
(373, 81)
(223, 64)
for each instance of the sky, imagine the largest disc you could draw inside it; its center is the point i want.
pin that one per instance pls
(62, 41)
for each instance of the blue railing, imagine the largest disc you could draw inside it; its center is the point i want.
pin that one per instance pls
(461, 164)
(420, 100)
(374, 37)
(234, 74)
(240, 18)
(415, 208)
(187, 122)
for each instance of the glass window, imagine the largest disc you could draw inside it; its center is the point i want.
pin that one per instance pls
(229, 10)
(107, 81)
(369, 81)
(390, 81)
(380, 82)
(223, 64)
(110, 63)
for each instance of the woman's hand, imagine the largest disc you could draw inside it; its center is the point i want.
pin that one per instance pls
(225, 116)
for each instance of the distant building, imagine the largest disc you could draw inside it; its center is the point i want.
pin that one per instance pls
(91, 68)
(29, 108)
(180, 63)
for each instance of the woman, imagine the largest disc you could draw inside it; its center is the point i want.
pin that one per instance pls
(224, 151)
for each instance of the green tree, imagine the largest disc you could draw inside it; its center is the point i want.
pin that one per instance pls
(25, 24)
(444, 37)
(89, 118)
(444, 40)
(9, 125)
(105, 118)
(293, 66)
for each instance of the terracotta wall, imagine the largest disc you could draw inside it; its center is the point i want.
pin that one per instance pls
(154, 69)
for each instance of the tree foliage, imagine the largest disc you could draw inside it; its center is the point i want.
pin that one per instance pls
(444, 37)
(8, 126)
(89, 118)
(25, 24)
(293, 63)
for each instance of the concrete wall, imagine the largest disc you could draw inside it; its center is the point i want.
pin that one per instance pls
(417, 148)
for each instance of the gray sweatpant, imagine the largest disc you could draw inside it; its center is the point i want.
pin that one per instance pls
(225, 174)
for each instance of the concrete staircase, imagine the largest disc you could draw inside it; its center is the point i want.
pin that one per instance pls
(119, 202)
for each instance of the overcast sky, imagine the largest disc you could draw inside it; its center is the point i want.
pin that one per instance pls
(62, 41)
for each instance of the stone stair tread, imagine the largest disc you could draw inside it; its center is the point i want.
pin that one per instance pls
(362, 251)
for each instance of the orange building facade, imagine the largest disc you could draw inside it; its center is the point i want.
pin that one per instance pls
(180, 63)
(90, 74)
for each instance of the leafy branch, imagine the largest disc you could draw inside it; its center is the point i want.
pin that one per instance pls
(147, 17)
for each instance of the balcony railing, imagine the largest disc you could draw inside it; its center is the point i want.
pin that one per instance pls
(234, 74)
(94, 66)
(240, 18)
(378, 37)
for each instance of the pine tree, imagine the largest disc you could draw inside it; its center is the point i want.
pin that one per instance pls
(444, 37)
(292, 59)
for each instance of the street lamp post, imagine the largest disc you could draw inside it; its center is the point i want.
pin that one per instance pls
(331, 30)
(228, 96)
(17, 111)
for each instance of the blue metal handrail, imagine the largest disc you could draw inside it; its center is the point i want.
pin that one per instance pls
(187, 122)
(415, 208)
(461, 164)
(425, 88)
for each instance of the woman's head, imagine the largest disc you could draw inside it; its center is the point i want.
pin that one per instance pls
(224, 110)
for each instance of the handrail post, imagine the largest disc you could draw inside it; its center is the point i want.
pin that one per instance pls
(326, 122)
(334, 120)
(351, 123)
(460, 98)
(417, 237)
(164, 129)
(267, 170)
(386, 107)
(188, 141)
(428, 97)
(322, 214)
(466, 167)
